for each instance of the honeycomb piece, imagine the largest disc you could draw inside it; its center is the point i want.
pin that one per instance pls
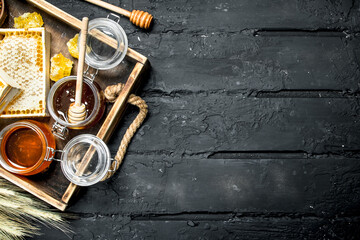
(72, 45)
(21, 58)
(8, 90)
(29, 20)
(60, 67)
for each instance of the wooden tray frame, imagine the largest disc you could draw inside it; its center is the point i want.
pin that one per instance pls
(109, 123)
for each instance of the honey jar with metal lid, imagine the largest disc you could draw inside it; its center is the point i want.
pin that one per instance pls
(26, 147)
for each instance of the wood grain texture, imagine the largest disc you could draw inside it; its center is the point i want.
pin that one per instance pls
(233, 16)
(162, 187)
(110, 7)
(42, 193)
(3, 12)
(185, 124)
(246, 63)
(242, 227)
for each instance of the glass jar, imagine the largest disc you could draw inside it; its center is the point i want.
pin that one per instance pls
(85, 160)
(100, 55)
(26, 148)
(62, 94)
(106, 47)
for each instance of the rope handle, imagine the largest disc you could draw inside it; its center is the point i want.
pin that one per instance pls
(111, 93)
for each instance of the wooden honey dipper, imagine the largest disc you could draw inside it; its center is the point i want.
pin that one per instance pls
(139, 18)
(77, 110)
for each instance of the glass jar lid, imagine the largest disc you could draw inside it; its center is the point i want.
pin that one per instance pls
(85, 160)
(101, 55)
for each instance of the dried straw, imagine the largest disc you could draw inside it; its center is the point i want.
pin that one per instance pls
(19, 214)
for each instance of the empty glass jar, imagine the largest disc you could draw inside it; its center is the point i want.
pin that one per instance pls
(85, 160)
(107, 43)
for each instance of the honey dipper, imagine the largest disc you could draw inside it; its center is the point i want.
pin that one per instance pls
(77, 110)
(139, 18)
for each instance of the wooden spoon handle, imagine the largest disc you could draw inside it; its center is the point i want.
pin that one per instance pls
(139, 18)
(110, 7)
(80, 69)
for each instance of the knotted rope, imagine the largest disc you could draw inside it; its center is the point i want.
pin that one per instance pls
(111, 93)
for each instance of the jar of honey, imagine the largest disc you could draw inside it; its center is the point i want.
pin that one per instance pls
(100, 55)
(26, 148)
(62, 94)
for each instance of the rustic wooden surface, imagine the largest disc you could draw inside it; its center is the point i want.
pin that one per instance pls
(253, 130)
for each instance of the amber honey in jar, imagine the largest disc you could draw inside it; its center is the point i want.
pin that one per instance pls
(62, 94)
(26, 147)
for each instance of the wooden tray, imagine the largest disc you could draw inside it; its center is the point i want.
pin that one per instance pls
(52, 186)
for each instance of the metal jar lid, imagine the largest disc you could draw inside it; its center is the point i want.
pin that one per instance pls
(101, 55)
(85, 160)
(44, 148)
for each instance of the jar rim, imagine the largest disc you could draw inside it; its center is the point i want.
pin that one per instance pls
(6, 133)
(50, 102)
(119, 36)
(104, 160)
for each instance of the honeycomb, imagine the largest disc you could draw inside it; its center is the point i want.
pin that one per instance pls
(60, 67)
(8, 90)
(29, 20)
(21, 57)
(72, 45)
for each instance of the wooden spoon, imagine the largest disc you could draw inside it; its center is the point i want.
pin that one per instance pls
(77, 110)
(2, 12)
(139, 18)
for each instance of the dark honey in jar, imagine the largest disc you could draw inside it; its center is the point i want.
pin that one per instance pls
(62, 94)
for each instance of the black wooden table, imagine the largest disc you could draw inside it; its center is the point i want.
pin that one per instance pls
(253, 130)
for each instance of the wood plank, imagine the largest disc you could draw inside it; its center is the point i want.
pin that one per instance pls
(212, 15)
(206, 123)
(243, 63)
(112, 227)
(43, 194)
(154, 185)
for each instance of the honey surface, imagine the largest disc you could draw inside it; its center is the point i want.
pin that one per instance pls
(65, 95)
(24, 147)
